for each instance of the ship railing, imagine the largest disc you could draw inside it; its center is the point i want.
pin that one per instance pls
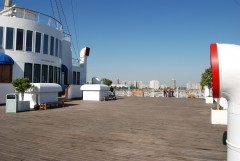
(24, 13)
(66, 36)
(75, 62)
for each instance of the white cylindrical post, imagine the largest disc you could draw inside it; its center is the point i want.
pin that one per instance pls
(233, 133)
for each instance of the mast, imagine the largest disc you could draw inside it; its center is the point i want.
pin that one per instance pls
(8, 3)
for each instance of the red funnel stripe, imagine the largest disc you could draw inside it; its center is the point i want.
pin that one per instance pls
(215, 70)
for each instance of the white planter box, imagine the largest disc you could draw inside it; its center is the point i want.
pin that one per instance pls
(23, 106)
(219, 117)
(209, 99)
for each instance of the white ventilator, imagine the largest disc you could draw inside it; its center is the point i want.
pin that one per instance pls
(225, 65)
(96, 80)
(83, 64)
(8, 3)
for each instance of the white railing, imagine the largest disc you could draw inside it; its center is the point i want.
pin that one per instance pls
(24, 13)
(123, 93)
(177, 94)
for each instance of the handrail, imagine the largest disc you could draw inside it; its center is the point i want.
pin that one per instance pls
(51, 21)
(75, 62)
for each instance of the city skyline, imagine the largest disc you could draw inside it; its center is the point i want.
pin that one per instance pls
(147, 40)
(155, 83)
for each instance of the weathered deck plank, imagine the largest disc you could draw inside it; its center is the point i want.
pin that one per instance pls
(126, 129)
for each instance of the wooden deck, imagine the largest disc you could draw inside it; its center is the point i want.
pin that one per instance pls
(130, 128)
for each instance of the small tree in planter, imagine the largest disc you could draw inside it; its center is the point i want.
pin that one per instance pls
(206, 80)
(106, 81)
(21, 85)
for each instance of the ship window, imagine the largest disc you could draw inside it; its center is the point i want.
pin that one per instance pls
(52, 46)
(45, 44)
(1, 37)
(36, 73)
(74, 77)
(44, 73)
(38, 42)
(55, 74)
(28, 71)
(5, 73)
(56, 48)
(50, 74)
(9, 38)
(58, 75)
(60, 49)
(29, 40)
(78, 78)
(19, 41)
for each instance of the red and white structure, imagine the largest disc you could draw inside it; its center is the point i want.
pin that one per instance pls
(225, 65)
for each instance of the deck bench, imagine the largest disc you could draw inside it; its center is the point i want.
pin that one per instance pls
(46, 105)
(102, 99)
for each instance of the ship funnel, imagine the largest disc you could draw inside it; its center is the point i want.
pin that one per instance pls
(8, 3)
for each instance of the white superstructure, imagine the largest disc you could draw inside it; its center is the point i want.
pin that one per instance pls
(34, 45)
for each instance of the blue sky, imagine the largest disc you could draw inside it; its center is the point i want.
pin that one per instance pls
(148, 39)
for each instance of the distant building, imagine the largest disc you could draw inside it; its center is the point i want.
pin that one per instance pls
(189, 85)
(118, 81)
(195, 86)
(134, 84)
(173, 84)
(154, 84)
(140, 85)
(163, 86)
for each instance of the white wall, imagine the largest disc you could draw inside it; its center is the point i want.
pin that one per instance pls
(74, 92)
(67, 59)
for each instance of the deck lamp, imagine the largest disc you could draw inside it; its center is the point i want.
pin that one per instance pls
(225, 65)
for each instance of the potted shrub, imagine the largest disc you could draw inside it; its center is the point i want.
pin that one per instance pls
(218, 113)
(21, 85)
(206, 82)
(218, 116)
